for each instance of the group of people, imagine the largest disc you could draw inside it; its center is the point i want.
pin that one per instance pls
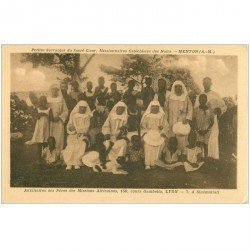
(113, 132)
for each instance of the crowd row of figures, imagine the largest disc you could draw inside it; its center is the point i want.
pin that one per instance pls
(111, 132)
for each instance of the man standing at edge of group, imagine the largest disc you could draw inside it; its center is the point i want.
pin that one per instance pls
(214, 100)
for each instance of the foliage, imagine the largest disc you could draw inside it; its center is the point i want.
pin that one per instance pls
(138, 67)
(20, 118)
(69, 64)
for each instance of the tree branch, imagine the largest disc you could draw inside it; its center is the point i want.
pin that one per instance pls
(86, 64)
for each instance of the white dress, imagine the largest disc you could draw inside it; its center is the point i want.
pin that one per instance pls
(59, 109)
(76, 144)
(41, 132)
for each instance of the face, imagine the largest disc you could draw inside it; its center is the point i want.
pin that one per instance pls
(202, 100)
(64, 86)
(161, 84)
(54, 92)
(51, 142)
(120, 110)
(43, 101)
(155, 109)
(131, 84)
(101, 81)
(113, 87)
(178, 90)
(148, 81)
(207, 84)
(89, 85)
(75, 86)
(82, 109)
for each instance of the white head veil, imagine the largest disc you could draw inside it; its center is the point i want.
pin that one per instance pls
(148, 110)
(54, 99)
(112, 115)
(175, 97)
(76, 110)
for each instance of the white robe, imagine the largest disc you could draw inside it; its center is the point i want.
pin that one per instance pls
(59, 109)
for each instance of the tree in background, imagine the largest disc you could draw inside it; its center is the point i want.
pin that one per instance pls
(138, 67)
(73, 65)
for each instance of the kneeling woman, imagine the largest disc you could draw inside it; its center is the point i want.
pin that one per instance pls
(154, 128)
(78, 129)
(117, 118)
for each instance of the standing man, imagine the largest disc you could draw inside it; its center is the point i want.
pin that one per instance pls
(162, 89)
(147, 93)
(101, 91)
(114, 95)
(90, 97)
(214, 100)
(60, 114)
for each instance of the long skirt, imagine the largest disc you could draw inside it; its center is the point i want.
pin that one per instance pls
(152, 153)
(57, 131)
(74, 150)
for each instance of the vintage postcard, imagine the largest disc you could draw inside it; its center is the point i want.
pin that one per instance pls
(125, 124)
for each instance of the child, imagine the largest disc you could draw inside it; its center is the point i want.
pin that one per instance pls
(133, 123)
(203, 121)
(89, 159)
(75, 91)
(50, 155)
(171, 155)
(90, 97)
(135, 154)
(192, 154)
(41, 133)
(78, 128)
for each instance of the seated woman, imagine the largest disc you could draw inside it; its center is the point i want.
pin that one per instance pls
(172, 155)
(154, 122)
(192, 154)
(117, 118)
(77, 140)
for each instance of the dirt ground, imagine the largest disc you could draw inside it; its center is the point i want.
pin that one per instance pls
(26, 173)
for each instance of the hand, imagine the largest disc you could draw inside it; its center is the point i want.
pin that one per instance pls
(163, 135)
(186, 121)
(56, 119)
(107, 137)
(71, 128)
(160, 127)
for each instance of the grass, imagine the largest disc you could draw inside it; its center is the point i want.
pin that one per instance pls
(25, 172)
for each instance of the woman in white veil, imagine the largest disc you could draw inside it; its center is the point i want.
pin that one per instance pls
(78, 130)
(117, 118)
(178, 108)
(154, 126)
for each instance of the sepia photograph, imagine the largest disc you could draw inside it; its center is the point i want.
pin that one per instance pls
(151, 121)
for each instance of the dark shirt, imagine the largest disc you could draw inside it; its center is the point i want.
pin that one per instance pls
(115, 97)
(147, 96)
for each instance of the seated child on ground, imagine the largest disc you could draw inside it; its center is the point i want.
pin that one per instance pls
(192, 154)
(171, 155)
(50, 155)
(135, 154)
(102, 151)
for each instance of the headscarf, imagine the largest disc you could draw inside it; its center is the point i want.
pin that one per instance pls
(175, 97)
(148, 113)
(113, 116)
(76, 110)
(54, 99)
